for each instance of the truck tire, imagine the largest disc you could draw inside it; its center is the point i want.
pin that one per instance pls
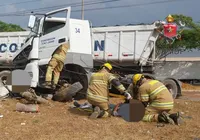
(67, 93)
(171, 86)
(78, 74)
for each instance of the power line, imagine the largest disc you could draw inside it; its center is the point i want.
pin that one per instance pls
(133, 5)
(92, 9)
(22, 2)
(25, 12)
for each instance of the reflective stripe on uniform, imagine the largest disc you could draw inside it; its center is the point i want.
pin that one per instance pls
(98, 74)
(121, 88)
(99, 81)
(148, 118)
(59, 57)
(162, 105)
(157, 90)
(111, 78)
(97, 97)
(152, 82)
(65, 49)
(145, 97)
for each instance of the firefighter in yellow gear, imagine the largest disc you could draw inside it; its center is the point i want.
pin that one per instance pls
(55, 66)
(98, 91)
(157, 99)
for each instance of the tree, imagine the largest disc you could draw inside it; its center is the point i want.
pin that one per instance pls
(190, 37)
(4, 27)
(189, 23)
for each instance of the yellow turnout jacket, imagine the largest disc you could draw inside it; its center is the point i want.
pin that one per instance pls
(98, 89)
(60, 53)
(156, 94)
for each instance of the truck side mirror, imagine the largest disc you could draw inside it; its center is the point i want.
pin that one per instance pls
(31, 22)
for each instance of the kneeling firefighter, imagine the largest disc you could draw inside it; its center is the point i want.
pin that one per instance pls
(98, 91)
(157, 99)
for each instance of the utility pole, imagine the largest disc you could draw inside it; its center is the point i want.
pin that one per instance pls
(82, 14)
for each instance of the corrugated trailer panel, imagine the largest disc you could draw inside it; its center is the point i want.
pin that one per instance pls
(10, 42)
(142, 38)
(127, 39)
(112, 46)
(121, 44)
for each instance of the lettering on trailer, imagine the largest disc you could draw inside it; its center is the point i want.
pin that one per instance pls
(98, 46)
(12, 47)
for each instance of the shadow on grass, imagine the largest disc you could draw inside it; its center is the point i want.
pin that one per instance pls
(80, 112)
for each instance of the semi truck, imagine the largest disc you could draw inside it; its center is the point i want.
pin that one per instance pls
(48, 32)
(130, 49)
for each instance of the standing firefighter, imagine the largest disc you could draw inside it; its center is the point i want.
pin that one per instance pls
(98, 91)
(156, 98)
(55, 66)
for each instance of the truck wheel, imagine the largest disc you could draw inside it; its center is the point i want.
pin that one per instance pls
(77, 74)
(171, 86)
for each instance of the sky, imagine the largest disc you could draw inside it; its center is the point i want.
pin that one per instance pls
(139, 11)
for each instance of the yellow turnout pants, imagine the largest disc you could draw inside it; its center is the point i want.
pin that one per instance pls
(102, 106)
(151, 114)
(55, 66)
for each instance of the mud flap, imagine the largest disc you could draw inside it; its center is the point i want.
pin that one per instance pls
(67, 93)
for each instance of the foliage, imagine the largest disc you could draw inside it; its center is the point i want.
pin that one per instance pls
(189, 23)
(4, 27)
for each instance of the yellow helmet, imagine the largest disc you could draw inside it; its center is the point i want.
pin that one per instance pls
(170, 18)
(108, 66)
(137, 78)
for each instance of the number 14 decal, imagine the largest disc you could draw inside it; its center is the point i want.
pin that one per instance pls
(77, 30)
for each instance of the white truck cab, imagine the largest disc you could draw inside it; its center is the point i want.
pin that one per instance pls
(47, 33)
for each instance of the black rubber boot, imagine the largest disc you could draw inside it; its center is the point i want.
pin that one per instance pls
(76, 104)
(176, 118)
(164, 117)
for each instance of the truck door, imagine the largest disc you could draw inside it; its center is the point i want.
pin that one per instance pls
(55, 31)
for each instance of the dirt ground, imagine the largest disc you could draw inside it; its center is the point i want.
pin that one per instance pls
(58, 122)
(189, 87)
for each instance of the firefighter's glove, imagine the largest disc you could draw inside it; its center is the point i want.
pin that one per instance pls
(127, 95)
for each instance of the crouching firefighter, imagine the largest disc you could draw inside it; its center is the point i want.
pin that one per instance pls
(98, 91)
(55, 66)
(157, 99)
